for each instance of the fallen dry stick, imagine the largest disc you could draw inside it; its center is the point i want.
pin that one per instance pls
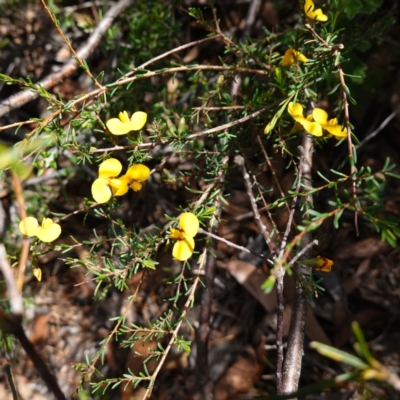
(24, 96)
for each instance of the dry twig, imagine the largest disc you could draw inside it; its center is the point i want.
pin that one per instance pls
(294, 354)
(239, 160)
(7, 370)
(19, 99)
(280, 273)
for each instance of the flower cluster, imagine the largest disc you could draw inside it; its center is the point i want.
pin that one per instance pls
(188, 228)
(107, 184)
(46, 232)
(319, 124)
(291, 56)
(123, 124)
(314, 15)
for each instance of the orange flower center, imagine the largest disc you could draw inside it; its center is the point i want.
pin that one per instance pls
(182, 235)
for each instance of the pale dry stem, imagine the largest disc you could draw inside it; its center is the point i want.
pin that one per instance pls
(67, 42)
(239, 160)
(23, 258)
(280, 274)
(294, 354)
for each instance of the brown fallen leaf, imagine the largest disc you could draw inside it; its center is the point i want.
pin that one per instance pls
(355, 280)
(139, 351)
(251, 277)
(240, 377)
(365, 248)
(191, 55)
(40, 332)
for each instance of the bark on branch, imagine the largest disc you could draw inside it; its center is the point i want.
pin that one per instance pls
(295, 347)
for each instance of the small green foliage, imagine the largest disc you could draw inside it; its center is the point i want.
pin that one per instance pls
(196, 124)
(368, 366)
(354, 7)
(269, 284)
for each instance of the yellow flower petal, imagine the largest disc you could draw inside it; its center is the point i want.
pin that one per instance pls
(117, 127)
(312, 128)
(37, 273)
(123, 116)
(325, 264)
(110, 168)
(138, 172)
(295, 110)
(123, 124)
(332, 126)
(189, 224)
(288, 58)
(183, 249)
(316, 15)
(119, 186)
(320, 116)
(301, 57)
(46, 223)
(29, 226)
(175, 233)
(101, 191)
(336, 130)
(136, 186)
(138, 120)
(49, 231)
(298, 126)
(291, 56)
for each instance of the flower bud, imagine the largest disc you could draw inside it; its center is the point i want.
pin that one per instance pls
(319, 263)
(220, 80)
(171, 126)
(181, 125)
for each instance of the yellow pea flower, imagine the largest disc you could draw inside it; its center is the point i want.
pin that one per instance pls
(319, 263)
(46, 232)
(291, 56)
(320, 122)
(298, 126)
(321, 117)
(312, 15)
(123, 124)
(296, 111)
(188, 228)
(133, 178)
(104, 186)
